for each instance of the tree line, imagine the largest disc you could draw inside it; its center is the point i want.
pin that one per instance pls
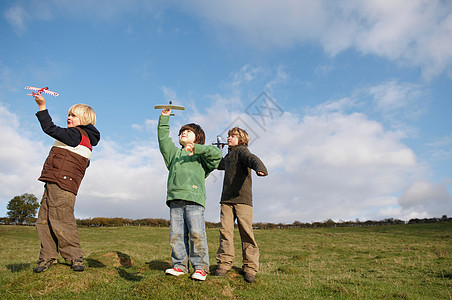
(22, 211)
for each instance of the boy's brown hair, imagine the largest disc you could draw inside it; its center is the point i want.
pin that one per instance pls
(200, 137)
(84, 112)
(241, 134)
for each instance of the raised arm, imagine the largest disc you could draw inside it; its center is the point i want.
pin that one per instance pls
(69, 136)
(166, 145)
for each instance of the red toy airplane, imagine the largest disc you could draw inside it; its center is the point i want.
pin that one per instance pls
(39, 91)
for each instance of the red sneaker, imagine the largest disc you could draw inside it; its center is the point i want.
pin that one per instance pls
(199, 275)
(174, 271)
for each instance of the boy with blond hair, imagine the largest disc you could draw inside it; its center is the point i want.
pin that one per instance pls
(236, 203)
(62, 174)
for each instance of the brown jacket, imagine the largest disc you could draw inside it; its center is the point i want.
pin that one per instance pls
(237, 184)
(66, 165)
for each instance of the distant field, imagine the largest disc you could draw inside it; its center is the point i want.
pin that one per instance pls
(375, 262)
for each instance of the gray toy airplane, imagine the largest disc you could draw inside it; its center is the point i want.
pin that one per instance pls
(219, 144)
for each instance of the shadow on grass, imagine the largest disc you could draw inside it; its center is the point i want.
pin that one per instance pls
(233, 270)
(94, 263)
(128, 276)
(18, 267)
(158, 265)
(445, 275)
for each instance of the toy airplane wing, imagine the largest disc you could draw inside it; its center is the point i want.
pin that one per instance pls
(32, 88)
(169, 106)
(50, 93)
(41, 90)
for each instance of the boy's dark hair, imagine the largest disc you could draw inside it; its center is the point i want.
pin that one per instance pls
(200, 137)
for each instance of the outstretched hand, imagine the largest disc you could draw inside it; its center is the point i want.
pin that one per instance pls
(166, 111)
(190, 147)
(40, 101)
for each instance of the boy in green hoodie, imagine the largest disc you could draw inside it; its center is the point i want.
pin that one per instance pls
(186, 194)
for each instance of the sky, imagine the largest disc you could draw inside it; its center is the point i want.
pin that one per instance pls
(347, 103)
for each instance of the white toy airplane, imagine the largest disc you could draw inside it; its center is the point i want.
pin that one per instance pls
(40, 90)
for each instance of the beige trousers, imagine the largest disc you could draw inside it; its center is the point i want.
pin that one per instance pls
(56, 225)
(250, 251)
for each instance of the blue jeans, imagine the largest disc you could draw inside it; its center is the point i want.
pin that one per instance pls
(188, 225)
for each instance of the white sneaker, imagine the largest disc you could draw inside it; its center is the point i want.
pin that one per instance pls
(199, 275)
(174, 271)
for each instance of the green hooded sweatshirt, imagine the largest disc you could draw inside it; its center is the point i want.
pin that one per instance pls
(187, 174)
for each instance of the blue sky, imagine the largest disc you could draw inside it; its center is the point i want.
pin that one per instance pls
(348, 104)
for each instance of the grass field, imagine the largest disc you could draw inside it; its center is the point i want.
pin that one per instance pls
(375, 262)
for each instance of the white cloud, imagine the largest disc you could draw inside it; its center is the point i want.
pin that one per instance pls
(327, 163)
(415, 32)
(281, 77)
(124, 182)
(426, 198)
(399, 103)
(340, 105)
(246, 74)
(412, 32)
(392, 95)
(21, 159)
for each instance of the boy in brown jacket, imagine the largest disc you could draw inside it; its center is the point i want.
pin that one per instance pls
(236, 203)
(62, 174)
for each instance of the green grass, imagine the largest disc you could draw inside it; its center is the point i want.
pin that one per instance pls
(375, 262)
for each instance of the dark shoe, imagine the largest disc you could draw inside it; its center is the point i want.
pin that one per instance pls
(249, 277)
(77, 265)
(221, 272)
(44, 264)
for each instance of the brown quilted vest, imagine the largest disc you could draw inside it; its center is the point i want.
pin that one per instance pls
(66, 165)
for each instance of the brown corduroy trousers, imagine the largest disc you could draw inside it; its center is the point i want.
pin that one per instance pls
(56, 225)
(250, 251)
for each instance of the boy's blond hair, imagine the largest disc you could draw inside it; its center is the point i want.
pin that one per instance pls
(241, 134)
(84, 112)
